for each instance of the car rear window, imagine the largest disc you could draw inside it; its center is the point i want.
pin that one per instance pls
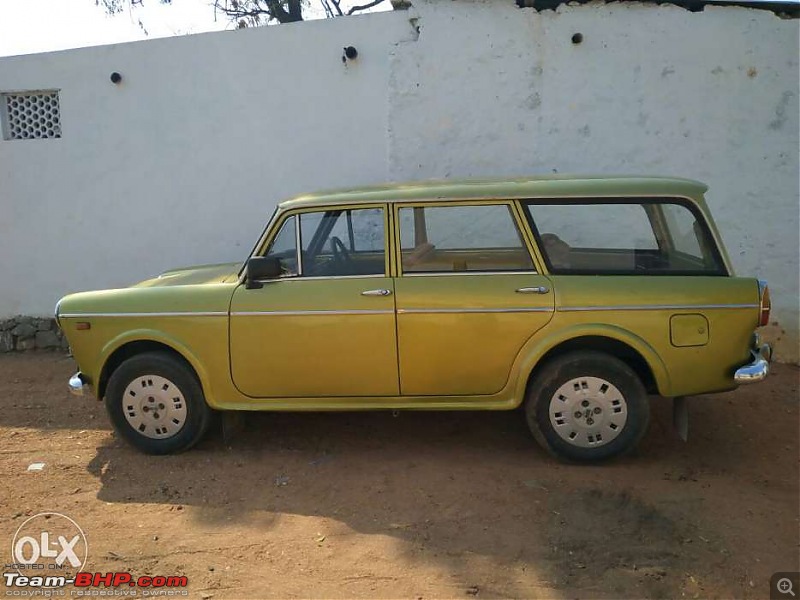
(461, 238)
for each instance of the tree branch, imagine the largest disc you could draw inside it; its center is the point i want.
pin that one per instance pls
(364, 6)
(328, 11)
(337, 7)
(251, 12)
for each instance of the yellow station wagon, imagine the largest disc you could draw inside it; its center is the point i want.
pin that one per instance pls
(574, 297)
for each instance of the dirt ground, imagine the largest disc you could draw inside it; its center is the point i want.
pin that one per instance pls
(422, 505)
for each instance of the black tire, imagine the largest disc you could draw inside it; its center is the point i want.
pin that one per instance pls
(599, 432)
(183, 405)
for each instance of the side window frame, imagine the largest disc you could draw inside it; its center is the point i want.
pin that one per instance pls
(518, 218)
(298, 212)
(652, 206)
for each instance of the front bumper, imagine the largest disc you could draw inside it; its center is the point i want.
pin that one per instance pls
(757, 369)
(78, 385)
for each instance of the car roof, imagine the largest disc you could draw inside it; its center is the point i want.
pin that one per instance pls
(540, 186)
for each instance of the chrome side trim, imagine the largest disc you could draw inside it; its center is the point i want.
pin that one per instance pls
(654, 307)
(452, 273)
(421, 311)
(308, 313)
(144, 314)
(322, 277)
(408, 311)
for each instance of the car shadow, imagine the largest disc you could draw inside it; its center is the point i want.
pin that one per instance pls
(449, 485)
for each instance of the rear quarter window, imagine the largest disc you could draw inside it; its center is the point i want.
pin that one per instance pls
(624, 237)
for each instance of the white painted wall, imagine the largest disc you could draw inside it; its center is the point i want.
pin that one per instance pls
(183, 162)
(491, 89)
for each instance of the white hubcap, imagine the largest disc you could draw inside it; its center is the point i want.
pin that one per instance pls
(588, 412)
(154, 406)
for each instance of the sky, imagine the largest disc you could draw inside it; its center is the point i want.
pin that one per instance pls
(28, 26)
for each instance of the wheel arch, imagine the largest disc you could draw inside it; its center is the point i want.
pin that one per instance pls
(617, 342)
(119, 350)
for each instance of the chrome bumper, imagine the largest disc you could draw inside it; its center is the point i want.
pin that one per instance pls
(757, 369)
(77, 385)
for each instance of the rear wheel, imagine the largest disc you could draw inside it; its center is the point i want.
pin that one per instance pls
(156, 403)
(587, 406)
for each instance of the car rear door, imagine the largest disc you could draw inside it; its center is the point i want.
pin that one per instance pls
(468, 296)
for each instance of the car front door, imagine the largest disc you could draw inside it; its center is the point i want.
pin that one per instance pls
(468, 296)
(326, 327)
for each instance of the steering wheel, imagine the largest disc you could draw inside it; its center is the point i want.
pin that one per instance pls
(340, 252)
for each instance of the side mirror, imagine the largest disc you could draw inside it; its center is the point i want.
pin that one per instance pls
(259, 268)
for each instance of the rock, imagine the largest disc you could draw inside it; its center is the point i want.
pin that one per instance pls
(26, 344)
(24, 330)
(6, 341)
(534, 484)
(46, 339)
(28, 333)
(44, 324)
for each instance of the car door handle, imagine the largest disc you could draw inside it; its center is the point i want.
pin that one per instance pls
(533, 290)
(378, 292)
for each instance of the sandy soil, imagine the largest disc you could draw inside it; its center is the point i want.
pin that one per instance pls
(421, 505)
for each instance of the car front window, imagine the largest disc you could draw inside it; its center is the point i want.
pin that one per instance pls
(284, 247)
(339, 243)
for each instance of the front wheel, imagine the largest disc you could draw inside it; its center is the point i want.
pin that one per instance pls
(156, 403)
(587, 406)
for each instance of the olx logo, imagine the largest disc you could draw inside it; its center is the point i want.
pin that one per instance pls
(49, 542)
(28, 550)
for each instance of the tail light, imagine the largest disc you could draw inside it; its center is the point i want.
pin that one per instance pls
(765, 304)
